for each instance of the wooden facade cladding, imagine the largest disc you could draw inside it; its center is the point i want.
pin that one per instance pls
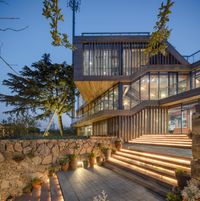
(151, 120)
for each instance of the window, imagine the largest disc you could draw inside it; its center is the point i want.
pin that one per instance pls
(153, 86)
(183, 83)
(163, 89)
(144, 87)
(172, 84)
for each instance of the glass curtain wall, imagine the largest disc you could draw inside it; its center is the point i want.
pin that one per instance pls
(154, 86)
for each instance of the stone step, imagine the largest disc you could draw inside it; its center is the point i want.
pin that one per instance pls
(143, 171)
(153, 185)
(179, 160)
(142, 160)
(36, 194)
(186, 146)
(149, 166)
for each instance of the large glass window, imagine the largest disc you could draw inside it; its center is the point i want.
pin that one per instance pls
(172, 84)
(153, 86)
(163, 85)
(183, 83)
(144, 87)
(196, 79)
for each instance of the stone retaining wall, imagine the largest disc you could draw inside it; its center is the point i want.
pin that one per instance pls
(39, 155)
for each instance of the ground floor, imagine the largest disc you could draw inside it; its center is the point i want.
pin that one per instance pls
(149, 120)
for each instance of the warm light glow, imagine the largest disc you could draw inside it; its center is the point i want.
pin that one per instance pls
(163, 95)
(126, 102)
(146, 172)
(142, 88)
(80, 163)
(156, 156)
(90, 63)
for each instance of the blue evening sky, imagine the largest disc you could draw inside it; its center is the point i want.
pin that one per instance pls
(26, 47)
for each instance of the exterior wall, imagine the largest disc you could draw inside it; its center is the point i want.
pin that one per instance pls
(38, 156)
(151, 120)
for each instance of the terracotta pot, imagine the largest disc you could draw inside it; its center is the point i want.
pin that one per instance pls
(99, 161)
(65, 167)
(36, 185)
(118, 146)
(73, 164)
(108, 154)
(92, 162)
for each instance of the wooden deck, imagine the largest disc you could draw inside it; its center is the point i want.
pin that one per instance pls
(85, 184)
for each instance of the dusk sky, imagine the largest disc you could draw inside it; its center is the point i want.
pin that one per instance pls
(25, 47)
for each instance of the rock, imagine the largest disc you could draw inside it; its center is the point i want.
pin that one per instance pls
(27, 150)
(55, 150)
(47, 160)
(26, 143)
(18, 147)
(1, 158)
(9, 147)
(37, 160)
(4, 184)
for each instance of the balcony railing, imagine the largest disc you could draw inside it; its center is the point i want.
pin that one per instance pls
(115, 33)
(193, 57)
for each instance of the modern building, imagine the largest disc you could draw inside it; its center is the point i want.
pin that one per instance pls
(126, 93)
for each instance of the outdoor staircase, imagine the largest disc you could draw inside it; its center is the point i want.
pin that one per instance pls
(154, 171)
(49, 191)
(173, 140)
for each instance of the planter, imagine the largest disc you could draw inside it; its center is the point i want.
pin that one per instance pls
(73, 164)
(92, 162)
(108, 154)
(99, 161)
(85, 164)
(65, 167)
(36, 186)
(118, 146)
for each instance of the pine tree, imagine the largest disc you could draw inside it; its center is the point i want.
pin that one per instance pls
(44, 88)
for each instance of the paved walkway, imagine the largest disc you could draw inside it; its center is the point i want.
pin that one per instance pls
(85, 184)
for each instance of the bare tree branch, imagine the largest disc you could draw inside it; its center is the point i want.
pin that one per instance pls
(11, 29)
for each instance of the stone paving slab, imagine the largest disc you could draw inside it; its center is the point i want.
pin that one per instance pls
(85, 184)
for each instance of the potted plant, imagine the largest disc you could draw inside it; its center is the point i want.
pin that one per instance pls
(64, 163)
(36, 183)
(73, 161)
(182, 178)
(113, 151)
(118, 144)
(92, 158)
(106, 152)
(99, 160)
(85, 164)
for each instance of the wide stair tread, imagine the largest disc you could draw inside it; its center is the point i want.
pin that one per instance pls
(149, 183)
(45, 192)
(56, 194)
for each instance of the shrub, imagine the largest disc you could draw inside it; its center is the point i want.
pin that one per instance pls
(192, 191)
(171, 196)
(28, 188)
(92, 155)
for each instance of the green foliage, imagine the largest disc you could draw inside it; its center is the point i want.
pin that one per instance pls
(36, 181)
(52, 12)
(73, 157)
(174, 196)
(64, 161)
(44, 88)
(158, 39)
(92, 155)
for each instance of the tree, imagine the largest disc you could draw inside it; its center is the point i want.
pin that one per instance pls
(44, 88)
(159, 37)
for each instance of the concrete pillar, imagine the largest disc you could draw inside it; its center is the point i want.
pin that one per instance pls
(195, 164)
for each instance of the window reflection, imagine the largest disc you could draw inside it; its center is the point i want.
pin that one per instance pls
(153, 87)
(144, 87)
(163, 86)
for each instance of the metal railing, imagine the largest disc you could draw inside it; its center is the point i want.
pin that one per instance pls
(115, 33)
(193, 57)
